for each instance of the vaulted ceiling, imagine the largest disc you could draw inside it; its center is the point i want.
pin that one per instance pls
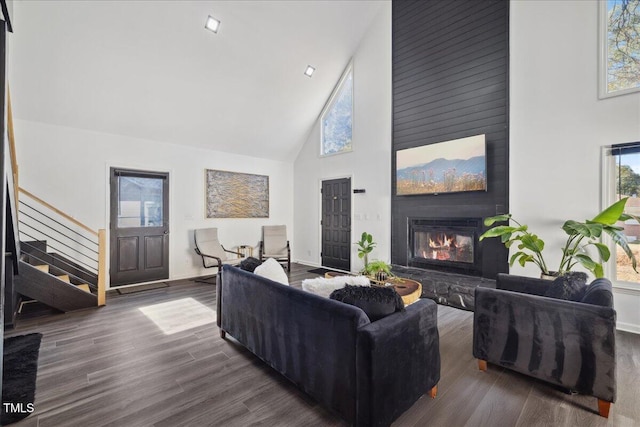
(149, 69)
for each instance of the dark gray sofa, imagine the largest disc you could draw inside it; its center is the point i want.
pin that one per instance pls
(567, 343)
(367, 373)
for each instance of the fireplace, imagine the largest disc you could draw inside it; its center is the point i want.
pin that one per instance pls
(445, 244)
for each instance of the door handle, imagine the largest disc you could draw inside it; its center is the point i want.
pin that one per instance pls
(165, 232)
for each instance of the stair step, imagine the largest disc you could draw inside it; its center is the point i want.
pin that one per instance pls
(85, 287)
(53, 293)
(43, 267)
(64, 278)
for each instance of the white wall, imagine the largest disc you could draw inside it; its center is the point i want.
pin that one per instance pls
(558, 126)
(369, 164)
(69, 168)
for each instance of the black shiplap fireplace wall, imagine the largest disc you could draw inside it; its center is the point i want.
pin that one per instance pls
(450, 81)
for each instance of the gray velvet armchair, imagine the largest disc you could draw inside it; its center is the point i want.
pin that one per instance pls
(567, 343)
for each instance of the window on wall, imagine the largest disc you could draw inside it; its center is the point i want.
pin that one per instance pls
(620, 47)
(337, 118)
(622, 179)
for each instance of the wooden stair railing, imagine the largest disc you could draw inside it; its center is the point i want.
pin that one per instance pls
(102, 266)
(99, 235)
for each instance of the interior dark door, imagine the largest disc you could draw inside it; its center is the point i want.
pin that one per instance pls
(336, 223)
(139, 226)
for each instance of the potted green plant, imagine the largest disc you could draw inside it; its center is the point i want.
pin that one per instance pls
(580, 237)
(365, 246)
(380, 270)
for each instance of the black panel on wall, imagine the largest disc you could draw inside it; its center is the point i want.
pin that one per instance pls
(450, 81)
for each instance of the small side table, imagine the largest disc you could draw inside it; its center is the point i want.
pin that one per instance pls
(245, 250)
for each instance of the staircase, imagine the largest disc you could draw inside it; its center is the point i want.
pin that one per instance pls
(60, 258)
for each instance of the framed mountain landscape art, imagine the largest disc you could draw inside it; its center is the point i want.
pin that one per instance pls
(444, 167)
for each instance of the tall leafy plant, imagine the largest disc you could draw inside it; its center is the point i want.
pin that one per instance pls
(581, 237)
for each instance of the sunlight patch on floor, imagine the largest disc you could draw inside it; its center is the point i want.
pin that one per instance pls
(179, 315)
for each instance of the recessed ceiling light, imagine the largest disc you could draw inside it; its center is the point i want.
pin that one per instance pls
(309, 71)
(212, 24)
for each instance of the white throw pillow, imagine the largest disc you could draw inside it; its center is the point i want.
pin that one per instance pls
(324, 286)
(271, 269)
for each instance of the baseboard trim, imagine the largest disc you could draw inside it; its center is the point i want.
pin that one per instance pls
(307, 263)
(628, 327)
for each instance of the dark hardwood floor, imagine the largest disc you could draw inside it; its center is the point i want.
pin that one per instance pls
(113, 366)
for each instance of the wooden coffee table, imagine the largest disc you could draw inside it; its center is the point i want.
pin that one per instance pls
(409, 290)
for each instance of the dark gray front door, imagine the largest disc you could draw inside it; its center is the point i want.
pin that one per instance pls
(139, 226)
(336, 223)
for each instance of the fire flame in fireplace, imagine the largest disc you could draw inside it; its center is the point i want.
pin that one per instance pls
(440, 247)
(444, 246)
(443, 242)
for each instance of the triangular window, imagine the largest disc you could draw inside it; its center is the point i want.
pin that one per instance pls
(337, 118)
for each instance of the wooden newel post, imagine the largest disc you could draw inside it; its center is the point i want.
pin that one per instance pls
(102, 267)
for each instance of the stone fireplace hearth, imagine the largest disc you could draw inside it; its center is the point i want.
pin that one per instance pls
(456, 290)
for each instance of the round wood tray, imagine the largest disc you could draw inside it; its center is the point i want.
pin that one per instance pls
(410, 290)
